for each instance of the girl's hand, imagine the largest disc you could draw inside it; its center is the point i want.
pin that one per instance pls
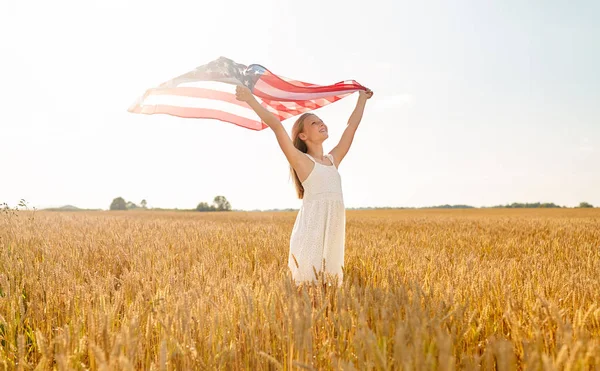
(365, 94)
(243, 94)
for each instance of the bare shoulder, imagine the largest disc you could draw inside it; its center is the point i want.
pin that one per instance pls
(303, 166)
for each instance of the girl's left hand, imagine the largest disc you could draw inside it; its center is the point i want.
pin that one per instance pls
(366, 94)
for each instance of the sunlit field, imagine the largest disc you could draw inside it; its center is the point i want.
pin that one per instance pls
(431, 289)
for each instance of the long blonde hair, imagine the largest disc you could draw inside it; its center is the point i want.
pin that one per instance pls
(301, 146)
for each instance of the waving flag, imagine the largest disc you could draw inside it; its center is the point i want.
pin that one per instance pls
(209, 92)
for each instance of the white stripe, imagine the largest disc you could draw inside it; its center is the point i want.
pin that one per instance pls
(182, 101)
(278, 93)
(213, 85)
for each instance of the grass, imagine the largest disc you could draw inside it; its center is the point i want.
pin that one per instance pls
(423, 289)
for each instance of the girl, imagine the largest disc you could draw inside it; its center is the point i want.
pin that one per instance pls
(318, 236)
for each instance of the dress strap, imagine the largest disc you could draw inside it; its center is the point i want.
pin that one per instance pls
(309, 156)
(330, 157)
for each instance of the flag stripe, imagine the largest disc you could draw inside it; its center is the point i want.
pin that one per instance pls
(228, 85)
(191, 112)
(281, 84)
(267, 91)
(192, 102)
(296, 82)
(200, 93)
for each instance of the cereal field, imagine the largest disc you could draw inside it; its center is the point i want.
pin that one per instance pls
(423, 289)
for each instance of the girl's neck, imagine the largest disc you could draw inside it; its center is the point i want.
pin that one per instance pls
(316, 152)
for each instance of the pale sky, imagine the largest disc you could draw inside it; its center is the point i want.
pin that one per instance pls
(478, 103)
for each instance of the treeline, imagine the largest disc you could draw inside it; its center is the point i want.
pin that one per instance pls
(535, 205)
(220, 203)
(449, 207)
(546, 205)
(514, 205)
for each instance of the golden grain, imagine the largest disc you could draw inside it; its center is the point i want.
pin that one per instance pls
(423, 289)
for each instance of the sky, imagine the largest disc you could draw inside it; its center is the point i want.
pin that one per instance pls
(478, 103)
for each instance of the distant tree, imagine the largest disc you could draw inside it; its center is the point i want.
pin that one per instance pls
(585, 205)
(144, 204)
(222, 204)
(130, 205)
(204, 206)
(118, 204)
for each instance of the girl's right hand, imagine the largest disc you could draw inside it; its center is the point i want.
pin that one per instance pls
(243, 94)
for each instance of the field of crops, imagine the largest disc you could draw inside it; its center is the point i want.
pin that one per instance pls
(423, 289)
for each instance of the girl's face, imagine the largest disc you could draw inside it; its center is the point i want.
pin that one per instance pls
(314, 130)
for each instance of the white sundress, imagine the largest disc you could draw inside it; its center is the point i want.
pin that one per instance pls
(320, 228)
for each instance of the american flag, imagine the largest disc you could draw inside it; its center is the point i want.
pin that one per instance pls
(209, 92)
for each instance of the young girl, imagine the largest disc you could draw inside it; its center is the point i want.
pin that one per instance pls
(318, 236)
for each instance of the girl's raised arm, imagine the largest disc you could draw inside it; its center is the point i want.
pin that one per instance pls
(297, 159)
(340, 151)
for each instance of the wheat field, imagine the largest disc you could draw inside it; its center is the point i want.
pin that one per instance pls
(423, 289)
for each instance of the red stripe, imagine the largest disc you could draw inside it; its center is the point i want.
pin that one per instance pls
(189, 112)
(264, 96)
(265, 92)
(281, 84)
(261, 91)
